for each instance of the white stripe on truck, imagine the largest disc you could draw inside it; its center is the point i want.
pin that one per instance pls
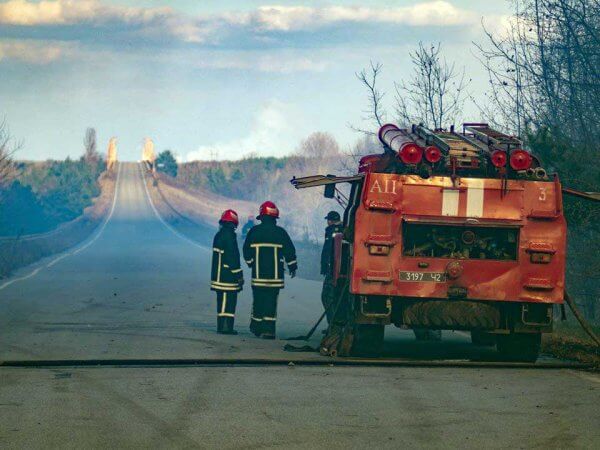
(450, 202)
(475, 197)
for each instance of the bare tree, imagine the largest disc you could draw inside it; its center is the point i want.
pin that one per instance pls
(7, 150)
(375, 112)
(436, 92)
(543, 71)
(91, 155)
(365, 145)
(319, 145)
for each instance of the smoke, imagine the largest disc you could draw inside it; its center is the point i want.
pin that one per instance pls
(273, 133)
(148, 150)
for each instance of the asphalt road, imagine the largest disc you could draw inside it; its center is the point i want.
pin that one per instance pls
(138, 289)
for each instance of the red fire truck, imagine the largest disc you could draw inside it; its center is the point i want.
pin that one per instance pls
(453, 230)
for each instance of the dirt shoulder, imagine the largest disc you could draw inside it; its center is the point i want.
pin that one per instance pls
(199, 205)
(24, 250)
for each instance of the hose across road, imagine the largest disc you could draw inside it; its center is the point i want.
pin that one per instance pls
(321, 361)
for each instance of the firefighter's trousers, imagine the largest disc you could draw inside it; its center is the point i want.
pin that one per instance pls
(264, 310)
(226, 303)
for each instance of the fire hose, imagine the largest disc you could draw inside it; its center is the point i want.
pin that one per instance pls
(307, 348)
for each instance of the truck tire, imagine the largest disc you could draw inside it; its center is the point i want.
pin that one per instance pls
(368, 340)
(483, 339)
(519, 347)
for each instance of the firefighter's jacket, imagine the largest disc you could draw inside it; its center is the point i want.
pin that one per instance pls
(266, 248)
(226, 272)
(327, 251)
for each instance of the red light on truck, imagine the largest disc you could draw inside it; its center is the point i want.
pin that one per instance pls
(411, 154)
(499, 158)
(520, 160)
(454, 270)
(383, 250)
(433, 154)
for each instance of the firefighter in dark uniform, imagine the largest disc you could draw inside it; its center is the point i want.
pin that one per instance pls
(226, 278)
(334, 226)
(266, 248)
(248, 225)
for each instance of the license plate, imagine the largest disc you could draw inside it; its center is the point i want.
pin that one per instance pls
(430, 277)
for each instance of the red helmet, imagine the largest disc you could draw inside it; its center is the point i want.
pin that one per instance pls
(268, 208)
(230, 216)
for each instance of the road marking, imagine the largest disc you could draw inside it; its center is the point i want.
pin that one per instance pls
(166, 224)
(78, 248)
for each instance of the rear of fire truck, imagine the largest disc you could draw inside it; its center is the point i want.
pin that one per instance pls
(449, 230)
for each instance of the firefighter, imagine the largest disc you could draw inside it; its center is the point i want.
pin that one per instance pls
(227, 278)
(334, 226)
(266, 248)
(247, 227)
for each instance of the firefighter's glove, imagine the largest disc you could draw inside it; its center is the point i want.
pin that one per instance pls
(293, 273)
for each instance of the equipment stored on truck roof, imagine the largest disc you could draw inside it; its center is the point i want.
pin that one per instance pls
(448, 229)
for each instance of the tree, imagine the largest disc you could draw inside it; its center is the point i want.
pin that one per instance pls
(375, 112)
(91, 155)
(436, 92)
(319, 145)
(166, 163)
(544, 68)
(434, 95)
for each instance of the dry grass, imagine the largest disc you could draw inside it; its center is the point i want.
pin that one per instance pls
(202, 205)
(569, 341)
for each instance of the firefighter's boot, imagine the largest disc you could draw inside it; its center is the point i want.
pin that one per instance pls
(268, 331)
(228, 326)
(221, 325)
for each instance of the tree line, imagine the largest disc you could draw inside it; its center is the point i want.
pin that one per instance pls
(38, 196)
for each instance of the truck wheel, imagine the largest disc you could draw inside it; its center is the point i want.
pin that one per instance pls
(482, 338)
(519, 347)
(368, 340)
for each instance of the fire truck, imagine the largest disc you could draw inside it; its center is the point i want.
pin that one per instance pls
(458, 229)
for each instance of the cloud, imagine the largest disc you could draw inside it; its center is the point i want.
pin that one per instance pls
(61, 12)
(96, 26)
(273, 133)
(34, 52)
(293, 18)
(203, 29)
(152, 21)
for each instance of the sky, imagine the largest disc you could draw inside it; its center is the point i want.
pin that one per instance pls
(215, 79)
